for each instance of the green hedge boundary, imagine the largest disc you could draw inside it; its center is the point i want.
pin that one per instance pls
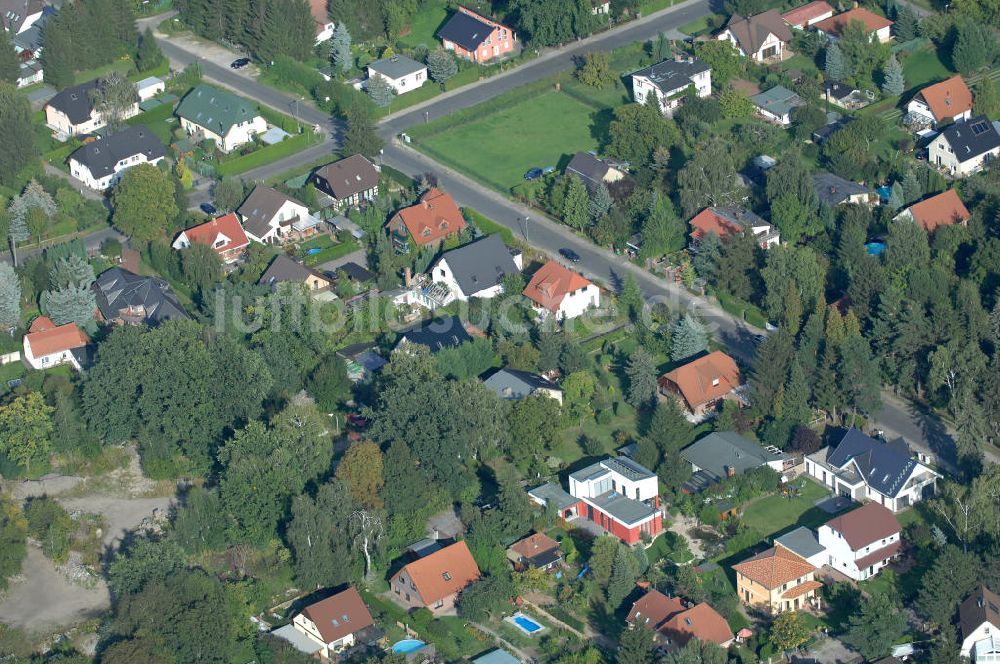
(264, 156)
(477, 112)
(488, 226)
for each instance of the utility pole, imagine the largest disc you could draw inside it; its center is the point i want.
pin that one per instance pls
(526, 220)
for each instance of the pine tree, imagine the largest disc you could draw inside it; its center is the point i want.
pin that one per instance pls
(875, 627)
(10, 68)
(906, 24)
(641, 372)
(796, 399)
(10, 296)
(893, 83)
(340, 48)
(689, 338)
(550, 347)
(791, 316)
(897, 198)
(73, 304)
(380, 91)
(441, 65)
(71, 270)
(17, 142)
(360, 137)
(987, 98)
(622, 578)
(58, 56)
(630, 299)
(974, 47)
(600, 203)
(148, 55)
(834, 66)
(576, 207)
(912, 189)
(635, 646)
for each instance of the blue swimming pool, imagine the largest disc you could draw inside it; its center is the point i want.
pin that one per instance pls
(407, 645)
(884, 192)
(875, 248)
(526, 623)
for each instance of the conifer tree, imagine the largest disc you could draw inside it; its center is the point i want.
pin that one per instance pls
(576, 207)
(10, 296)
(893, 83)
(689, 338)
(340, 48)
(835, 67)
(10, 68)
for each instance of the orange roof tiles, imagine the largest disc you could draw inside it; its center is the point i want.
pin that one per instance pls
(708, 221)
(339, 615)
(442, 573)
(700, 621)
(534, 545)
(434, 218)
(552, 283)
(801, 589)
(948, 98)
(227, 225)
(705, 379)
(835, 25)
(774, 567)
(800, 16)
(945, 209)
(46, 338)
(653, 609)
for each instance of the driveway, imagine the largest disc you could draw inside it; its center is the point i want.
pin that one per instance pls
(827, 651)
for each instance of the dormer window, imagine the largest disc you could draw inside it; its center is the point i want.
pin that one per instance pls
(444, 225)
(715, 382)
(446, 575)
(426, 232)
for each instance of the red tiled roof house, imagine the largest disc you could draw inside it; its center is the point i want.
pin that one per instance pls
(944, 209)
(429, 222)
(702, 383)
(860, 543)
(536, 550)
(333, 624)
(808, 14)
(776, 580)
(475, 37)
(223, 234)
(878, 27)
(558, 291)
(47, 345)
(674, 623)
(950, 99)
(435, 580)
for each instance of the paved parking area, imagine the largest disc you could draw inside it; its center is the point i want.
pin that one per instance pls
(827, 651)
(834, 504)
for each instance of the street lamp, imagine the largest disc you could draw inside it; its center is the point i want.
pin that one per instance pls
(526, 220)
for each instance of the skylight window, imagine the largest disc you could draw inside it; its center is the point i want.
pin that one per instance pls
(446, 575)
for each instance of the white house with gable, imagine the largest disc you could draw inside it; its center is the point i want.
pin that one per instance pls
(670, 79)
(477, 269)
(860, 543)
(979, 621)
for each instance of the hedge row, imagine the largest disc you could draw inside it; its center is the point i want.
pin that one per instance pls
(477, 112)
(265, 155)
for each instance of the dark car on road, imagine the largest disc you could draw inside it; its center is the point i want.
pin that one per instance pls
(208, 208)
(569, 255)
(533, 173)
(239, 63)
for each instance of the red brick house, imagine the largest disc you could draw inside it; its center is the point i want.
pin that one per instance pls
(429, 222)
(475, 37)
(435, 580)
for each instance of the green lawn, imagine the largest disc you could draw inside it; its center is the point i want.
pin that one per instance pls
(923, 67)
(498, 148)
(425, 24)
(328, 250)
(775, 513)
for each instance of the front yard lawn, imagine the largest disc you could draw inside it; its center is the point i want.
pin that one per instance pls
(775, 513)
(425, 25)
(498, 148)
(328, 250)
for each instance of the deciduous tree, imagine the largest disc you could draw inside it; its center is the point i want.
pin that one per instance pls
(361, 471)
(10, 296)
(441, 65)
(25, 426)
(143, 203)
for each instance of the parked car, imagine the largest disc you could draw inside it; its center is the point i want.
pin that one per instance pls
(357, 421)
(569, 255)
(208, 208)
(239, 63)
(548, 169)
(533, 173)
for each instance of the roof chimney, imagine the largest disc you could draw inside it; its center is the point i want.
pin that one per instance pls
(730, 471)
(407, 276)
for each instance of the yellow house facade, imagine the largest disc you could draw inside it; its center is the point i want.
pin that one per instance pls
(776, 580)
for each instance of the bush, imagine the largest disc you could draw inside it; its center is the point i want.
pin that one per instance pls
(51, 525)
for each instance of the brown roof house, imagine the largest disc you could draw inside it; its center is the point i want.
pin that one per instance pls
(272, 217)
(674, 623)
(558, 291)
(330, 626)
(536, 550)
(950, 99)
(435, 580)
(878, 27)
(979, 621)
(348, 181)
(702, 383)
(862, 542)
(806, 15)
(429, 222)
(762, 38)
(283, 270)
(776, 580)
(944, 209)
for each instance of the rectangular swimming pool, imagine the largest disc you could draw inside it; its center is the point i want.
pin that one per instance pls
(526, 624)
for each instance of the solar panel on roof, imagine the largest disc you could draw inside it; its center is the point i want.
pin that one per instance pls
(979, 128)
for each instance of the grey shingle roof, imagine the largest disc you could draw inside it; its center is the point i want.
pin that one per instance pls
(779, 100)
(972, 138)
(588, 167)
(716, 451)
(466, 31)
(284, 269)
(260, 207)
(103, 155)
(671, 75)
(751, 33)
(118, 289)
(801, 541)
(76, 101)
(520, 383)
(623, 509)
(396, 66)
(439, 334)
(481, 264)
(347, 177)
(215, 109)
(834, 190)
(553, 493)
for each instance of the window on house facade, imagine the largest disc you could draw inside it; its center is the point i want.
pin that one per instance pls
(439, 604)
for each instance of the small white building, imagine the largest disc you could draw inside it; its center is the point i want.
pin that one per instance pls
(477, 269)
(150, 87)
(47, 345)
(670, 79)
(211, 113)
(101, 163)
(965, 147)
(403, 74)
(321, 17)
(330, 626)
(979, 621)
(271, 217)
(862, 542)
(560, 292)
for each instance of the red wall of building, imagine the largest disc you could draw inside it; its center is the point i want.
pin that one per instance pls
(486, 52)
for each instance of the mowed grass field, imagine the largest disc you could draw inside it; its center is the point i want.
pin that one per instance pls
(497, 149)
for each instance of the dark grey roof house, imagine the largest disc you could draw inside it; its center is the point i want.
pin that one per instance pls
(102, 157)
(515, 384)
(465, 30)
(75, 102)
(349, 180)
(588, 168)
(437, 334)
(15, 13)
(834, 190)
(357, 273)
(129, 298)
(726, 454)
(972, 138)
(670, 76)
(475, 267)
